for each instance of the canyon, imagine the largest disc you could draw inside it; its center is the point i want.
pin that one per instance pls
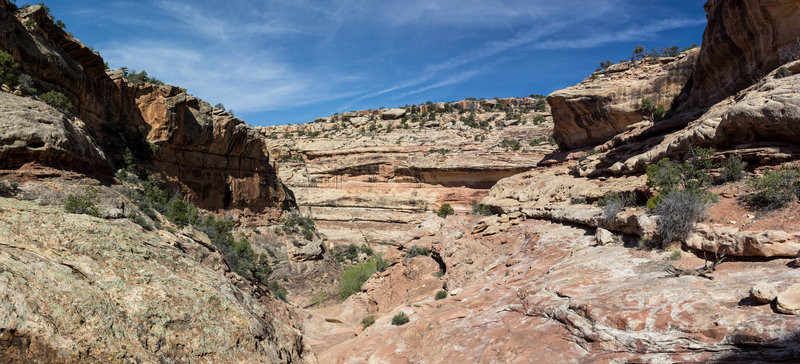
(528, 266)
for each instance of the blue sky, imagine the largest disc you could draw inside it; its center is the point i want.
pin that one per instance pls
(276, 62)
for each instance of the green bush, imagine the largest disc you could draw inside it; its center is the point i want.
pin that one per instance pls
(83, 203)
(279, 291)
(512, 144)
(775, 189)
(647, 107)
(783, 72)
(480, 209)
(445, 210)
(139, 77)
(239, 253)
(367, 321)
(442, 294)
(400, 319)
(692, 174)
(300, 224)
(57, 100)
(7, 67)
(417, 250)
(353, 278)
(540, 105)
(181, 213)
(732, 169)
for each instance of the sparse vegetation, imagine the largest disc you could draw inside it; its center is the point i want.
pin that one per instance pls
(512, 144)
(445, 210)
(350, 253)
(57, 100)
(678, 210)
(682, 197)
(442, 294)
(9, 188)
(7, 67)
(783, 72)
(417, 250)
(26, 84)
(400, 319)
(732, 169)
(300, 224)
(774, 190)
(83, 203)
(353, 278)
(480, 209)
(367, 321)
(139, 77)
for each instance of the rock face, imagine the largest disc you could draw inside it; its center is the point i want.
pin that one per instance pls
(85, 290)
(216, 159)
(367, 181)
(744, 41)
(33, 131)
(601, 107)
(213, 158)
(540, 292)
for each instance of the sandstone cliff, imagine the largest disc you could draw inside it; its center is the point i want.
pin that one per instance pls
(367, 176)
(211, 157)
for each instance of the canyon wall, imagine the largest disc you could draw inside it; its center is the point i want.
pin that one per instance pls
(367, 176)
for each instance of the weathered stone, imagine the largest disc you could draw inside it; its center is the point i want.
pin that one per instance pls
(788, 301)
(764, 292)
(603, 237)
(597, 110)
(393, 114)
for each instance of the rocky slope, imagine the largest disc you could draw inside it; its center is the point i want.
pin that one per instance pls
(366, 176)
(547, 281)
(86, 290)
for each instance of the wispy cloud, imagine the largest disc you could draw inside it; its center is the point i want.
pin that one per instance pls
(629, 34)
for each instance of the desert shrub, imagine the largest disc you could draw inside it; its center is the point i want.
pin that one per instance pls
(300, 224)
(367, 321)
(659, 112)
(445, 210)
(353, 278)
(678, 210)
(647, 107)
(349, 253)
(612, 205)
(139, 77)
(57, 100)
(775, 189)
(7, 67)
(577, 200)
(416, 250)
(239, 254)
(279, 291)
(783, 72)
(605, 64)
(83, 203)
(26, 84)
(540, 105)
(140, 220)
(220, 106)
(692, 174)
(181, 213)
(480, 209)
(318, 298)
(512, 144)
(731, 169)
(539, 119)
(442, 294)
(400, 319)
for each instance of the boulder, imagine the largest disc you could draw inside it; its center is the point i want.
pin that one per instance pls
(788, 301)
(603, 237)
(764, 292)
(392, 114)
